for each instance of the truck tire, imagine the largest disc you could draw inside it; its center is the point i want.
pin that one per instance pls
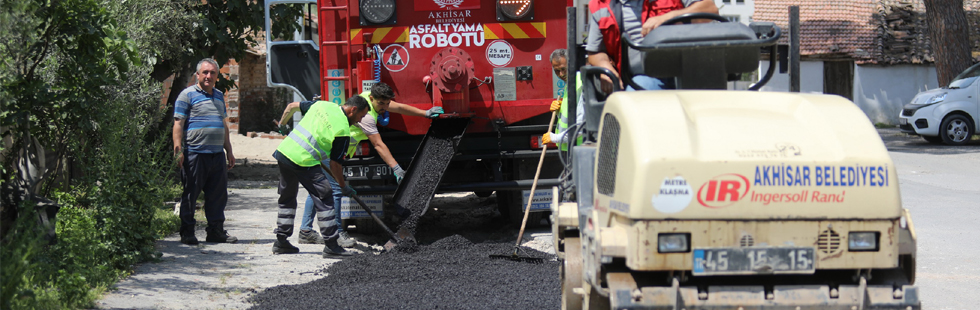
(509, 203)
(483, 194)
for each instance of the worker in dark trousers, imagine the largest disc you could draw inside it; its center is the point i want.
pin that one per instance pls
(203, 152)
(324, 133)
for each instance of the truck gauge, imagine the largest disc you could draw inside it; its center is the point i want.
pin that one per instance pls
(377, 11)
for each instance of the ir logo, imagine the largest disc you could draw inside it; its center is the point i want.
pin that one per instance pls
(723, 190)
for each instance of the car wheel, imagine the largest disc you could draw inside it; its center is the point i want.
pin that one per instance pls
(933, 139)
(956, 130)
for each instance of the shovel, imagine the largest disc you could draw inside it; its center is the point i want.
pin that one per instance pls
(363, 206)
(527, 209)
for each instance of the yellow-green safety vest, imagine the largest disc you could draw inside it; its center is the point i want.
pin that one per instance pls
(563, 112)
(356, 134)
(312, 139)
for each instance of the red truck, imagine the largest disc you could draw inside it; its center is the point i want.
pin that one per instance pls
(486, 62)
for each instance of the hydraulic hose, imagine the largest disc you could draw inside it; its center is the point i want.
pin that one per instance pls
(377, 63)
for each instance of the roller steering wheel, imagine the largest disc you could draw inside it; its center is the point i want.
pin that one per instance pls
(687, 18)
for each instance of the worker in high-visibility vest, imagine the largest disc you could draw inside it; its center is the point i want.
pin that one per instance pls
(559, 62)
(382, 101)
(324, 133)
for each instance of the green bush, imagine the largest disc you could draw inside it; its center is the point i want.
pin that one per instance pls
(82, 77)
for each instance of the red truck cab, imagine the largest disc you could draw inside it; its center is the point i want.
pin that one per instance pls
(483, 60)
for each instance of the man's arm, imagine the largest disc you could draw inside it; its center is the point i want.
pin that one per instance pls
(601, 59)
(178, 141)
(703, 6)
(405, 109)
(382, 149)
(287, 114)
(228, 153)
(338, 173)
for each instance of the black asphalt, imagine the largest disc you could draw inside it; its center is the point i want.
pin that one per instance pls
(451, 273)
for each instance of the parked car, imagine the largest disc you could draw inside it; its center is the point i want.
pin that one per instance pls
(945, 115)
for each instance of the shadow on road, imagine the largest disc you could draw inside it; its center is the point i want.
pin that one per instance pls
(897, 141)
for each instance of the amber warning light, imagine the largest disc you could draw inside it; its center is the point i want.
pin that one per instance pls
(515, 10)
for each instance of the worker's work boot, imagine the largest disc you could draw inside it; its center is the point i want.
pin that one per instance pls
(333, 250)
(282, 246)
(344, 240)
(310, 237)
(217, 233)
(187, 236)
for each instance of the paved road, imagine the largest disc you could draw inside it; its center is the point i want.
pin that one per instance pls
(941, 187)
(223, 276)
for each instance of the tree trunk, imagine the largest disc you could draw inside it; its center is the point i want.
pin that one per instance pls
(949, 33)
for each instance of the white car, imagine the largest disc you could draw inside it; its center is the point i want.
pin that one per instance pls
(948, 114)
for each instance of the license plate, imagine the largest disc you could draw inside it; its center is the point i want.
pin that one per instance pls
(350, 210)
(732, 261)
(367, 171)
(542, 200)
(903, 121)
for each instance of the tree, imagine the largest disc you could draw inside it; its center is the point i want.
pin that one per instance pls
(222, 30)
(949, 33)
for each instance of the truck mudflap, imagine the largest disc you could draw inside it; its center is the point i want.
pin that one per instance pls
(624, 294)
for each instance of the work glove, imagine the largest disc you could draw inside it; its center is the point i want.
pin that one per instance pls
(434, 112)
(555, 105)
(284, 129)
(399, 173)
(546, 138)
(348, 191)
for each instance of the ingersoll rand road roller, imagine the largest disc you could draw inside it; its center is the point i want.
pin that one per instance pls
(707, 198)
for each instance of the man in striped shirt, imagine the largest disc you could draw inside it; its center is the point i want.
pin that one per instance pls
(203, 151)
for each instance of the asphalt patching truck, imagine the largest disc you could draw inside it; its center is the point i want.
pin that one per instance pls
(707, 198)
(486, 62)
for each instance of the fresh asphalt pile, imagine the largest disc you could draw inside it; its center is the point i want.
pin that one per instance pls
(451, 273)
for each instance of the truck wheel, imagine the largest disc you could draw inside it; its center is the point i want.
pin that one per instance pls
(571, 274)
(509, 203)
(956, 130)
(483, 194)
(367, 226)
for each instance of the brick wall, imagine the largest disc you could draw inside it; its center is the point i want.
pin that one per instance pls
(259, 104)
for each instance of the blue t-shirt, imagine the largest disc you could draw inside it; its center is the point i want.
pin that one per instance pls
(205, 114)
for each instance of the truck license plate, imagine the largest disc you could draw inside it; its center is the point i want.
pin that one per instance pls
(367, 171)
(732, 261)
